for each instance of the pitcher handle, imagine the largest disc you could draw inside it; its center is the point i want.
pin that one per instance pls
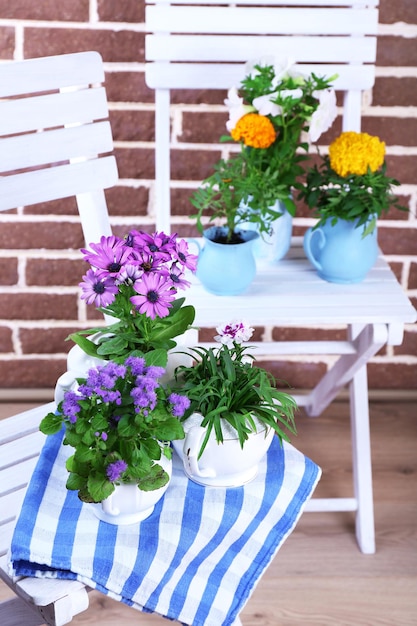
(64, 383)
(192, 444)
(310, 233)
(108, 506)
(193, 241)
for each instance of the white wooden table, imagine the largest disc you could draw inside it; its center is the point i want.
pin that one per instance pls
(290, 293)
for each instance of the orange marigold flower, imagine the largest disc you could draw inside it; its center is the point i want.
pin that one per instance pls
(256, 131)
(353, 153)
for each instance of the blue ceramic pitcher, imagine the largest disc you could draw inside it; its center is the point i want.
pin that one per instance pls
(340, 252)
(226, 269)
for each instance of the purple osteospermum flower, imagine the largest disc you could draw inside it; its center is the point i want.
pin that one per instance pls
(158, 245)
(155, 295)
(129, 273)
(177, 277)
(234, 332)
(115, 470)
(179, 404)
(98, 288)
(110, 254)
(183, 255)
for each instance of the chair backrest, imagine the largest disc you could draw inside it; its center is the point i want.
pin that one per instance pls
(54, 137)
(204, 44)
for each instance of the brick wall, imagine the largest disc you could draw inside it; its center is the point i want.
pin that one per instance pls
(39, 303)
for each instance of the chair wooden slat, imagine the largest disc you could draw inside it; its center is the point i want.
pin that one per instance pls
(234, 48)
(53, 110)
(52, 146)
(58, 182)
(47, 74)
(246, 20)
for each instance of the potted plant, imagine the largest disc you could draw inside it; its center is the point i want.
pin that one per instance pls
(349, 190)
(268, 115)
(235, 410)
(119, 421)
(134, 281)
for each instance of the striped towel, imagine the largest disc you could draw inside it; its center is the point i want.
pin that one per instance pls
(196, 559)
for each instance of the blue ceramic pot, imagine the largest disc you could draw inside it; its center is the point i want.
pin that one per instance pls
(340, 252)
(226, 269)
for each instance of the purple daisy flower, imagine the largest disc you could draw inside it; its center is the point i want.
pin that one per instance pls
(155, 295)
(110, 254)
(115, 470)
(159, 245)
(98, 288)
(177, 277)
(183, 255)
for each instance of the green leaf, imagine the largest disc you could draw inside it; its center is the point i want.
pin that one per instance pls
(85, 344)
(99, 488)
(115, 345)
(51, 424)
(75, 482)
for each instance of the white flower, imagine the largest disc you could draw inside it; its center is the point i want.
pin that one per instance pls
(236, 108)
(265, 106)
(236, 331)
(324, 116)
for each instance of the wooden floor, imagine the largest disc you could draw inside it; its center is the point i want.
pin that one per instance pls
(319, 577)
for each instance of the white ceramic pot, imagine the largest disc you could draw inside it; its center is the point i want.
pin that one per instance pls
(128, 504)
(221, 464)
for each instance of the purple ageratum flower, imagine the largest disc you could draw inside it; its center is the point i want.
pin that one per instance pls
(137, 365)
(98, 288)
(234, 332)
(143, 398)
(70, 405)
(115, 470)
(155, 371)
(155, 295)
(109, 255)
(179, 404)
(183, 255)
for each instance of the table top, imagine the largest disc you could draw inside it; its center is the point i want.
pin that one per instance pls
(290, 292)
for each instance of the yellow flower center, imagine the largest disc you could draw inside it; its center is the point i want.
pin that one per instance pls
(256, 131)
(353, 153)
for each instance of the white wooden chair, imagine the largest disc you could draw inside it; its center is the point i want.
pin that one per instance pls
(63, 99)
(204, 44)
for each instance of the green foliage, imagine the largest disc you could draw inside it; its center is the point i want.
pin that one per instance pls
(135, 334)
(353, 197)
(224, 386)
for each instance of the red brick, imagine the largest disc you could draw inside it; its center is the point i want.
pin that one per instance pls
(389, 91)
(126, 11)
(40, 235)
(60, 272)
(395, 51)
(121, 46)
(74, 11)
(6, 340)
(398, 11)
(128, 87)
(7, 38)
(397, 240)
(63, 206)
(31, 373)
(297, 375)
(393, 131)
(198, 96)
(412, 278)
(180, 202)
(409, 344)
(397, 268)
(392, 376)
(192, 164)
(127, 201)
(38, 306)
(45, 340)
(135, 162)
(403, 168)
(203, 127)
(8, 271)
(309, 334)
(133, 125)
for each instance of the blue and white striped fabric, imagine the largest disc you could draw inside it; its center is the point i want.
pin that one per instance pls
(196, 559)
